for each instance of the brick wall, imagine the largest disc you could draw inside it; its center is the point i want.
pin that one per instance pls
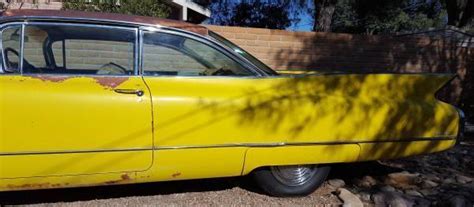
(33, 4)
(284, 50)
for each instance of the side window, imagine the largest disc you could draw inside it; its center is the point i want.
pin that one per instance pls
(11, 38)
(78, 49)
(168, 54)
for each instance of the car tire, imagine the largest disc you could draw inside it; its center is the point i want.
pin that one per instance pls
(292, 180)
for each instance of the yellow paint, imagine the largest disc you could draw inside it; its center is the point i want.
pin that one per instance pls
(397, 150)
(294, 155)
(197, 163)
(233, 125)
(43, 114)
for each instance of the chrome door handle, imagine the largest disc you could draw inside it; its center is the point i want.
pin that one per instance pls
(130, 91)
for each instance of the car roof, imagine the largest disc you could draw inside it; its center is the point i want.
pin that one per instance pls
(110, 18)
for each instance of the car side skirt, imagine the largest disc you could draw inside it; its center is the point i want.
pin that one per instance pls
(228, 161)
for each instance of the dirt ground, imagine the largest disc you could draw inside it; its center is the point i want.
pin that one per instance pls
(436, 168)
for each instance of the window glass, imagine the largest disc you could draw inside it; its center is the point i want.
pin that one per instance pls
(243, 53)
(167, 54)
(87, 50)
(33, 50)
(11, 38)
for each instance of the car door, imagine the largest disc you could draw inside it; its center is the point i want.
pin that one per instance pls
(75, 104)
(193, 87)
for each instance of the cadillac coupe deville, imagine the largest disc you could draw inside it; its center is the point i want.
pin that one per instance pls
(91, 99)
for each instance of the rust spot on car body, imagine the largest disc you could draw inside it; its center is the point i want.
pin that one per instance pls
(107, 82)
(110, 82)
(176, 175)
(36, 186)
(29, 186)
(123, 179)
(51, 78)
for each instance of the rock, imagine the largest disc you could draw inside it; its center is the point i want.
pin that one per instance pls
(392, 199)
(457, 201)
(404, 180)
(364, 196)
(337, 183)
(449, 181)
(452, 161)
(429, 184)
(387, 188)
(432, 177)
(422, 202)
(428, 192)
(349, 199)
(366, 182)
(463, 179)
(413, 193)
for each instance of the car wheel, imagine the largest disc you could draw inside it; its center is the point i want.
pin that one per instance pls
(291, 180)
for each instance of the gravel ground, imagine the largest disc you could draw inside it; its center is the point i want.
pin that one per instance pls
(208, 192)
(241, 192)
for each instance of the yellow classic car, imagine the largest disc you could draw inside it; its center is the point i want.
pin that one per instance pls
(92, 99)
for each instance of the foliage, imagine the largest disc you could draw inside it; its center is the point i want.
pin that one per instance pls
(460, 13)
(154, 8)
(376, 17)
(272, 15)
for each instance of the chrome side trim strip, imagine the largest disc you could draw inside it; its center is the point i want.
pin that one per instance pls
(281, 144)
(277, 144)
(74, 151)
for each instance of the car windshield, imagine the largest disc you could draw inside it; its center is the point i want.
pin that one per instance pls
(243, 53)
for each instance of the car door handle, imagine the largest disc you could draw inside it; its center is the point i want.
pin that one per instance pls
(130, 91)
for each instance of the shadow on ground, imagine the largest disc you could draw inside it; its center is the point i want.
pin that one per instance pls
(107, 192)
(446, 165)
(166, 188)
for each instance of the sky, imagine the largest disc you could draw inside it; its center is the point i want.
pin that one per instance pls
(304, 15)
(305, 24)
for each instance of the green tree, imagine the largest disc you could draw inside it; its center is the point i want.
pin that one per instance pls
(153, 8)
(381, 17)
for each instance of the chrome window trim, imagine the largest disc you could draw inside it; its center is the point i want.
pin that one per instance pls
(140, 52)
(136, 53)
(130, 28)
(153, 27)
(207, 41)
(3, 27)
(67, 20)
(22, 48)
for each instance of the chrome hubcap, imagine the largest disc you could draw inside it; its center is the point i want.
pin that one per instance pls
(294, 175)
